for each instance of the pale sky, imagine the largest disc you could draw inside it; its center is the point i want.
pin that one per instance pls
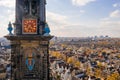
(73, 18)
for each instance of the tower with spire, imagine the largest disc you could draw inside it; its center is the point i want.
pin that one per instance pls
(30, 41)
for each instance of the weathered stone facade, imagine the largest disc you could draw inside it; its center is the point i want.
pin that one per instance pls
(21, 45)
(30, 52)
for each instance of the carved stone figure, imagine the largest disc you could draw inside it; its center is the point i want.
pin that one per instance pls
(10, 28)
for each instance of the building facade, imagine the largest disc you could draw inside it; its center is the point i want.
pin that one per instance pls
(30, 41)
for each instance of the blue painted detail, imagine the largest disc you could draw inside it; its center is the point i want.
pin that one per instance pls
(47, 30)
(30, 62)
(10, 28)
(30, 66)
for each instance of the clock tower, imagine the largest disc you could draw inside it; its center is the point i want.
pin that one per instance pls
(30, 41)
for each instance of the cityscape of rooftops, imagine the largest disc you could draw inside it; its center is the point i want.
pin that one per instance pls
(83, 42)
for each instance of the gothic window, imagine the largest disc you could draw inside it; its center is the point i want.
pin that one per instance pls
(34, 7)
(26, 7)
(30, 7)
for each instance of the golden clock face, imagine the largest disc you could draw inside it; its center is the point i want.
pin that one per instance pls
(29, 26)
